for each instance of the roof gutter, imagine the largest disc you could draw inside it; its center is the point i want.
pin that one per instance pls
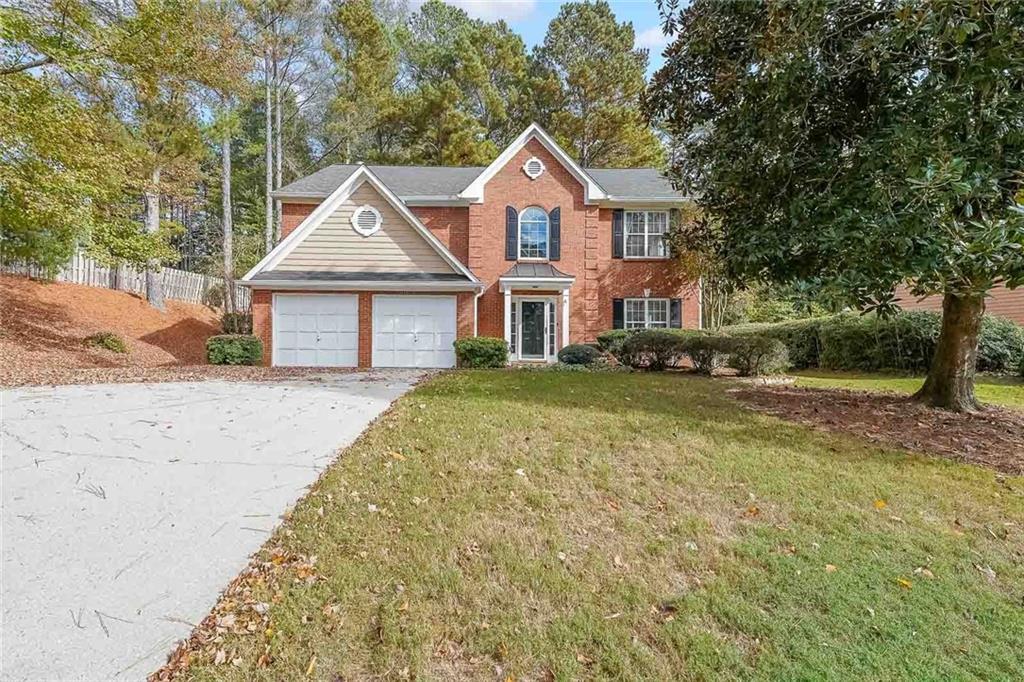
(366, 285)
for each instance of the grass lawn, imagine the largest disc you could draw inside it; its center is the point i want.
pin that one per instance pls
(1006, 391)
(537, 525)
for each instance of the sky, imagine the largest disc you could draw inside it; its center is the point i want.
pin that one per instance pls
(530, 19)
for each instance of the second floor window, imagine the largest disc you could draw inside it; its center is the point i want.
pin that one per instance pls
(533, 234)
(645, 234)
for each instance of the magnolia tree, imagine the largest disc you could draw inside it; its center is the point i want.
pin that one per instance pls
(861, 143)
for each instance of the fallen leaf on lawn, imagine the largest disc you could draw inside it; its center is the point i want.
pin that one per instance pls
(831, 568)
(312, 666)
(399, 456)
(904, 583)
(583, 660)
(617, 560)
(220, 657)
(881, 504)
(870, 611)
(691, 545)
(404, 606)
(561, 556)
(371, 508)
(613, 616)
(922, 571)
(987, 572)
(752, 511)
(520, 472)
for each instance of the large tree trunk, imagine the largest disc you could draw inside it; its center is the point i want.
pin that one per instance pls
(269, 157)
(154, 283)
(950, 382)
(227, 224)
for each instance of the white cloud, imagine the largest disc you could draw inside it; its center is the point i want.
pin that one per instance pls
(492, 10)
(652, 39)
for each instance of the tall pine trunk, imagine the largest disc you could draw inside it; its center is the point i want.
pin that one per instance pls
(227, 224)
(278, 77)
(154, 283)
(269, 157)
(950, 381)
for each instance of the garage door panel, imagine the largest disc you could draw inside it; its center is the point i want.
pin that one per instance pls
(316, 330)
(414, 331)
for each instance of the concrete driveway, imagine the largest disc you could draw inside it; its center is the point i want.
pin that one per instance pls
(128, 508)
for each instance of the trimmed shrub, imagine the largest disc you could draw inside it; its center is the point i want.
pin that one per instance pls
(1000, 346)
(707, 352)
(652, 349)
(611, 341)
(236, 323)
(481, 352)
(757, 356)
(578, 354)
(802, 338)
(107, 340)
(234, 349)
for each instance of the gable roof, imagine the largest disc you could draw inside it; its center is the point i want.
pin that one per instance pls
(592, 191)
(327, 207)
(419, 185)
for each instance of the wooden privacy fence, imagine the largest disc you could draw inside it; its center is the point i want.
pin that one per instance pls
(180, 285)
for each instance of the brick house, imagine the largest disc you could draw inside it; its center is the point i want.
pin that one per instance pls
(385, 266)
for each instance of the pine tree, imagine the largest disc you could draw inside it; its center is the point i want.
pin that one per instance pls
(588, 81)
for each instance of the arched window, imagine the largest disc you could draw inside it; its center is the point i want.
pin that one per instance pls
(533, 233)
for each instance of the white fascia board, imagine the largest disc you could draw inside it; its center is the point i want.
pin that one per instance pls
(332, 202)
(367, 285)
(592, 190)
(653, 202)
(561, 283)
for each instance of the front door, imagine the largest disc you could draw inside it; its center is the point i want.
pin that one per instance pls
(532, 330)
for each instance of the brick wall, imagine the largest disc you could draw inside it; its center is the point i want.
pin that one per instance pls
(1001, 301)
(292, 215)
(450, 224)
(262, 316)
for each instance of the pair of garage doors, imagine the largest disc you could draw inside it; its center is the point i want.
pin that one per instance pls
(322, 330)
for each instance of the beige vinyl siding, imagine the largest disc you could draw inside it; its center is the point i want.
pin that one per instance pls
(333, 246)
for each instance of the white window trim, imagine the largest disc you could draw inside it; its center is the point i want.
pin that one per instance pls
(647, 313)
(625, 234)
(519, 238)
(550, 331)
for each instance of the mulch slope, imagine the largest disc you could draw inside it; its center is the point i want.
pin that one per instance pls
(44, 323)
(992, 437)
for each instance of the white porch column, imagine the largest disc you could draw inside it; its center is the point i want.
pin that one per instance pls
(565, 318)
(508, 319)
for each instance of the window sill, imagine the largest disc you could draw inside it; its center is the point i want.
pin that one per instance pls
(641, 259)
(532, 260)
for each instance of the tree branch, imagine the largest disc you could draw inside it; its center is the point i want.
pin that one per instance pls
(18, 68)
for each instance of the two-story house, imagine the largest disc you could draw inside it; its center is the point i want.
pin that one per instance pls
(385, 266)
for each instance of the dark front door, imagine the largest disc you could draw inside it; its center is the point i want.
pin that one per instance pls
(533, 329)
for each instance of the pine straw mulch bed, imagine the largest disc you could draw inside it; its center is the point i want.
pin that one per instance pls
(992, 437)
(55, 376)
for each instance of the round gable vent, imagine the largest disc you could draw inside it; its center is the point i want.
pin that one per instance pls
(533, 167)
(366, 220)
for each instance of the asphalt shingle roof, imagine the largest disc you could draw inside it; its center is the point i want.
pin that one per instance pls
(446, 181)
(316, 275)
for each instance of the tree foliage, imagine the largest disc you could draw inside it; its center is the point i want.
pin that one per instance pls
(857, 144)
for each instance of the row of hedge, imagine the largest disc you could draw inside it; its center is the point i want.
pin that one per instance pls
(659, 349)
(904, 342)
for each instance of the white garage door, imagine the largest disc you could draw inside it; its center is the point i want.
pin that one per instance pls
(413, 331)
(316, 330)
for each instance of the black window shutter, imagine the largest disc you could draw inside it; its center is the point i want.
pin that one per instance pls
(511, 233)
(618, 314)
(555, 237)
(617, 239)
(675, 315)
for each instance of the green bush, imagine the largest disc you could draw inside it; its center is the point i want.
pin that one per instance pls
(652, 349)
(611, 341)
(234, 349)
(707, 352)
(236, 323)
(1000, 346)
(480, 352)
(107, 340)
(757, 356)
(802, 338)
(578, 354)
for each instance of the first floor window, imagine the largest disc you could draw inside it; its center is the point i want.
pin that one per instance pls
(645, 234)
(646, 313)
(533, 233)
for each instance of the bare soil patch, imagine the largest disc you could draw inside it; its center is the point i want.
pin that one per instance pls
(992, 437)
(44, 324)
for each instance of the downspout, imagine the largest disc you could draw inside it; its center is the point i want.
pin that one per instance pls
(476, 309)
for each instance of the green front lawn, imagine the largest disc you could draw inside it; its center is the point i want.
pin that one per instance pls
(1006, 391)
(537, 525)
